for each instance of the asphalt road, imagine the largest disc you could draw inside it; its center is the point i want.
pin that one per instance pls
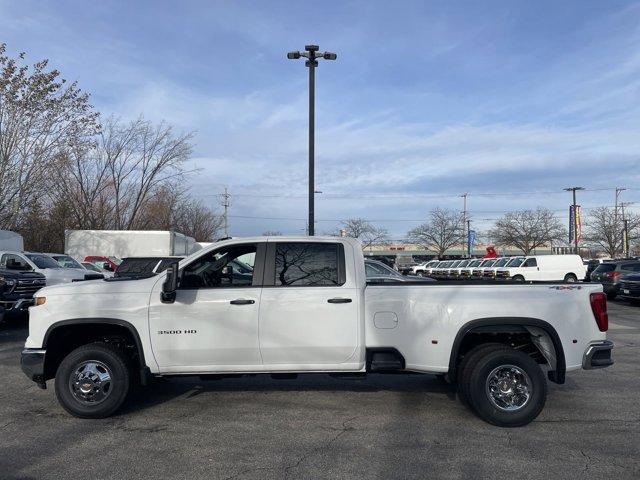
(384, 426)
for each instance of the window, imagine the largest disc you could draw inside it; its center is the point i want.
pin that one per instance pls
(226, 267)
(309, 264)
(630, 267)
(66, 261)
(15, 262)
(531, 262)
(43, 261)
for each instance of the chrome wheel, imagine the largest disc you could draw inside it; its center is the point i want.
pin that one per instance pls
(508, 387)
(90, 383)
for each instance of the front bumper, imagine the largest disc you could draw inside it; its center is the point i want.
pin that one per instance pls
(32, 363)
(597, 355)
(18, 304)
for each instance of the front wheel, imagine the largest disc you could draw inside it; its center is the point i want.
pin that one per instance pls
(506, 387)
(93, 381)
(518, 278)
(420, 273)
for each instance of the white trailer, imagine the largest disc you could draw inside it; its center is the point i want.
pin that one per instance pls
(127, 243)
(11, 241)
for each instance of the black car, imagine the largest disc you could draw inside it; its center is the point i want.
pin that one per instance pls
(629, 287)
(17, 288)
(609, 274)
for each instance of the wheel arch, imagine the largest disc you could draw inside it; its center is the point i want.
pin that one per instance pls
(68, 326)
(509, 325)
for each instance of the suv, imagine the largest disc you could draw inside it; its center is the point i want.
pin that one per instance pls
(17, 288)
(608, 274)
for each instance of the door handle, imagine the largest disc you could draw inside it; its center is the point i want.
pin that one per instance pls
(339, 300)
(242, 301)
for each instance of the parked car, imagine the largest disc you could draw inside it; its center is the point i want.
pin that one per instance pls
(629, 287)
(466, 272)
(454, 271)
(592, 265)
(440, 269)
(550, 268)
(143, 267)
(41, 263)
(17, 287)
(106, 263)
(477, 272)
(94, 268)
(424, 268)
(65, 261)
(490, 272)
(377, 272)
(308, 308)
(609, 273)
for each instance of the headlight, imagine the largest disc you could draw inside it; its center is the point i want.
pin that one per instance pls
(40, 301)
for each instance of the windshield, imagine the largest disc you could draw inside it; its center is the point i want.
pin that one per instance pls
(490, 263)
(515, 262)
(42, 261)
(65, 261)
(502, 262)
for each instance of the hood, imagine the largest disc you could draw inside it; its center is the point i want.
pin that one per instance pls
(63, 275)
(20, 274)
(100, 287)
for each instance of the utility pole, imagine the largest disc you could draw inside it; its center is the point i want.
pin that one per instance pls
(575, 217)
(225, 204)
(469, 238)
(312, 55)
(464, 218)
(619, 190)
(625, 230)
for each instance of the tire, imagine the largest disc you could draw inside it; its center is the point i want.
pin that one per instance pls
(466, 366)
(91, 364)
(500, 364)
(518, 278)
(570, 278)
(420, 273)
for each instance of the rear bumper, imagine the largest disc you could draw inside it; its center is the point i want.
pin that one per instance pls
(32, 363)
(597, 355)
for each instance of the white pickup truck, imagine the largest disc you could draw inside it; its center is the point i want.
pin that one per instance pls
(302, 304)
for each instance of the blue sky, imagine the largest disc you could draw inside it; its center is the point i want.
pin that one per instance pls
(427, 100)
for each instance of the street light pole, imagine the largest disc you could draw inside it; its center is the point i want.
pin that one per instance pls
(575, 217)
(312, 55)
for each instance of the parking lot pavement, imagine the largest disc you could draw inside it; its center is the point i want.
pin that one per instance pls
(393, 426)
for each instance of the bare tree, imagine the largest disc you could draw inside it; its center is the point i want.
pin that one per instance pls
(364, 231)
(40, 116)
(172, 208)
(443, 230)
(604, 229)
(527, 229)
(140, 157)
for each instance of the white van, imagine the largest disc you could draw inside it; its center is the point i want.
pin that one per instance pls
(547, 268)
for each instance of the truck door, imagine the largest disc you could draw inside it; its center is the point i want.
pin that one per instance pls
(309, 310)
(213, 323)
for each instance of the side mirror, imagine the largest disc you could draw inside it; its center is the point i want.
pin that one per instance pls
(170, 284)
